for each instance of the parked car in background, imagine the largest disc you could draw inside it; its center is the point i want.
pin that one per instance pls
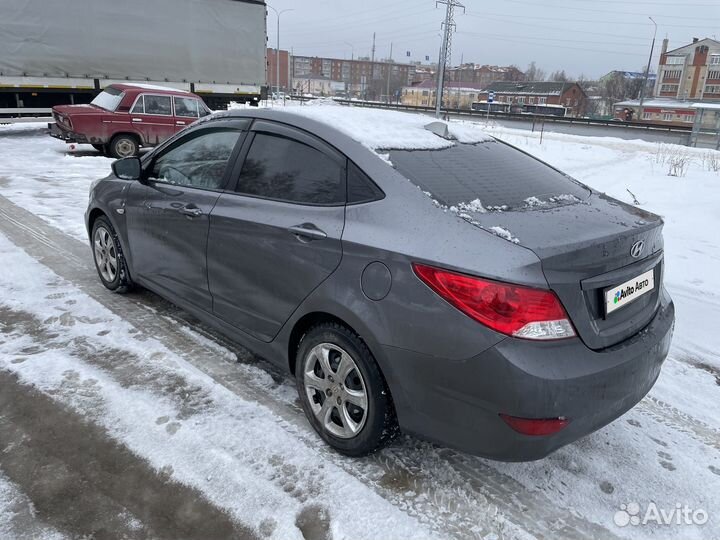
(125, 117)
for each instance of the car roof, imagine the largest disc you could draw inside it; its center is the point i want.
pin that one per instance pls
(374, 129)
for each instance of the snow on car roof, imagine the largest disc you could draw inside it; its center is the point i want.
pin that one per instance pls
(385, 130)
(146, 86)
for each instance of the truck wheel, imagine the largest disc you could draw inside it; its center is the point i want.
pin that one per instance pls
(123, 146)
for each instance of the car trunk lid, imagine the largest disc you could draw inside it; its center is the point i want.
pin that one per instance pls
(586, 248)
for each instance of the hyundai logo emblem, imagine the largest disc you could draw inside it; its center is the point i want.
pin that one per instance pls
(637, 249)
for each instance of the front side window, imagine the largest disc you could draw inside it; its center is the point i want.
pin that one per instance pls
(187, 107)
(159, 105)
(108, 99)
(198, 161)
(284, 169)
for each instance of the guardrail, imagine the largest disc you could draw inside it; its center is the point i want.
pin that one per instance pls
(528, 117)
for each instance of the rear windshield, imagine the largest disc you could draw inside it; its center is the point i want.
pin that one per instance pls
(493, 173)
(108, 99)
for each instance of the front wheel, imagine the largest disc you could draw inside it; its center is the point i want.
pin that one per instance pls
(108, 256)
(343, 392)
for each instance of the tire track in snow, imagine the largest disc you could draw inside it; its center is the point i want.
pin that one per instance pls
(457, 495)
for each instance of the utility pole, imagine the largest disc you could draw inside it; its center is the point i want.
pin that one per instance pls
(372, 58)
(647, 72)
(445, 49)
(389, 68)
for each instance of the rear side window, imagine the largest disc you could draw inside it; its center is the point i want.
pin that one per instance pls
(493, 172)
(284, 169)
(158, 105)
(186, 107)
(360, 188)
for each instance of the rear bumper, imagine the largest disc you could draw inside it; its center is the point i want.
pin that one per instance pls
(457, 403)
(66, 135)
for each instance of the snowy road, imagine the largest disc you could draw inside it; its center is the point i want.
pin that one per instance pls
(168, 427)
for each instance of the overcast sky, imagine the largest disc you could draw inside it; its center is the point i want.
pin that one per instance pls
(589, 37)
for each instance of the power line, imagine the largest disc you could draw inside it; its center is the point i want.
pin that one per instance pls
(604, 42)
(499, 37)
(591, 21)
(590, 10)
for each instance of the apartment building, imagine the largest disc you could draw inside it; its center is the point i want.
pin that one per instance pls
(362, 77)
(690, 72)
(483, 75)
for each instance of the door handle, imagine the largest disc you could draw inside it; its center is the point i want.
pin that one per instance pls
(307, 230)
(190, 211)
(180, 123)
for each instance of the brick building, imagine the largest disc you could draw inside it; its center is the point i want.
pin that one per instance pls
(284, 58)
(691, 72)
(362, 78)
(523, 95)
(484, 75)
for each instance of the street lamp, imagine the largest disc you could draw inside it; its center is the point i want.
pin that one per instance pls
(352, 48)
(277, 49)
(647, 71)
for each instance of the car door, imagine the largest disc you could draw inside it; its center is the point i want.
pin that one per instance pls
(187, 110)
(168, 219)
(276, 236)
(152, 116)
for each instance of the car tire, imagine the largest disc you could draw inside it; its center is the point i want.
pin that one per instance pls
(108, 256)
(334, 406)
(122, 146)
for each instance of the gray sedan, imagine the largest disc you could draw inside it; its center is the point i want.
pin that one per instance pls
(411, 277)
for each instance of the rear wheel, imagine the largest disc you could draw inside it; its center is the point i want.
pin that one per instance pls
(342, 390)
(123, 146)
(108, 256)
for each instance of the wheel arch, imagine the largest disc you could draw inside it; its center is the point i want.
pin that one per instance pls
(92, 218)
(134, 134)
(300, 328)
(312, 318)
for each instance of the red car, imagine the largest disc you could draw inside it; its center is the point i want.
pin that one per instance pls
(124, 117)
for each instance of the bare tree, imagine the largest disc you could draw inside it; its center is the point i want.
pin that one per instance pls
(559, 76)
(534, 73)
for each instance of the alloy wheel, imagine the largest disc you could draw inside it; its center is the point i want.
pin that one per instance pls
(336, 390)
(105, 254)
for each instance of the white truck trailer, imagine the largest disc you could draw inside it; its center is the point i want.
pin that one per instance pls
(54, 53)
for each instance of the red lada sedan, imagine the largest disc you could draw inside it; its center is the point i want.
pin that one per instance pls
(124, 117)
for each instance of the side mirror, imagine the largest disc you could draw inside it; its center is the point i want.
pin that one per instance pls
(127, 168)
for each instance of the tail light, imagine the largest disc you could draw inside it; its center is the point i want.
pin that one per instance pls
(513, 310)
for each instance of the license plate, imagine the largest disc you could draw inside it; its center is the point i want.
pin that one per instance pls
(628, 292)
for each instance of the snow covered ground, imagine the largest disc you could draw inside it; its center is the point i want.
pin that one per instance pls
(173, 395)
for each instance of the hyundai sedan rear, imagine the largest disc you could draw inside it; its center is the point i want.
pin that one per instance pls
(409, 274)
